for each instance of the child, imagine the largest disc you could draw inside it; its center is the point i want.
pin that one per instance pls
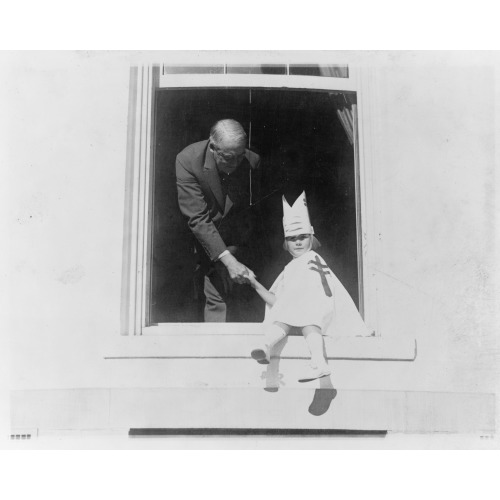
(306, 295)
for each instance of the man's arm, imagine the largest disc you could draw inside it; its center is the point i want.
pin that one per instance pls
(193, 206)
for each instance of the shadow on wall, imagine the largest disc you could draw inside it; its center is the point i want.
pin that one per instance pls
(323, 395)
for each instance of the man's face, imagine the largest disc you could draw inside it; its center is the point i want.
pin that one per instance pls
(228, 155)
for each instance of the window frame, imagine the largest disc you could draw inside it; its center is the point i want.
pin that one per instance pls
(144, 81)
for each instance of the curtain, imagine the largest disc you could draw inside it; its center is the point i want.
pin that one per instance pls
(335, 71)
(346, 118)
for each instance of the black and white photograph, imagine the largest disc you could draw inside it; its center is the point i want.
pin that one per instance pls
(246, 246)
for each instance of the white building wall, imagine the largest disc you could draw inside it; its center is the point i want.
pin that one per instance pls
(67, 143)
(432, 131)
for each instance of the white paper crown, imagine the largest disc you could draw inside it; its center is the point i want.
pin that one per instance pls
(296, 217)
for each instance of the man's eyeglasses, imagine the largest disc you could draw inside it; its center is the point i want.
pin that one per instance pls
(229, 157)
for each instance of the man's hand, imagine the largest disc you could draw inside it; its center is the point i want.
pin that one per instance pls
(237, 271)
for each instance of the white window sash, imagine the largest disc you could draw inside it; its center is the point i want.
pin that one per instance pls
(137, 224)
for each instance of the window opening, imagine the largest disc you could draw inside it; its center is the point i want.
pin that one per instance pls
(303, 145)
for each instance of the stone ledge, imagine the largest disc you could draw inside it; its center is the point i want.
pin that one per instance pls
(231, 345)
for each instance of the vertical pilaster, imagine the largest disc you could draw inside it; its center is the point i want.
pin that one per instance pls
(138, 200)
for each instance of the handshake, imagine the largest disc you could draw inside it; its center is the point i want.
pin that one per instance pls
(238, 272)
(242, 275)
(249, 277)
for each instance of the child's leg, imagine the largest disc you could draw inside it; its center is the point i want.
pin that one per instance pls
(272, 335)
(315, 343)
(275, 332)
(314, 340)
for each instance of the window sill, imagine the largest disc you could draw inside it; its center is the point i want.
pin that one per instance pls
(195, 342)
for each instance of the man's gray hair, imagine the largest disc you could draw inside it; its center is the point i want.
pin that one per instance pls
(229, 129)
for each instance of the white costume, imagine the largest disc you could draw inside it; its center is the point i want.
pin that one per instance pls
(307, 291)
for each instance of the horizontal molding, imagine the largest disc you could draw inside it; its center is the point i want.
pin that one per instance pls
(251, 408)
(239, 345)
(256, 81)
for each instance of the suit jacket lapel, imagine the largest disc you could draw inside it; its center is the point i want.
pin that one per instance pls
(213, 180)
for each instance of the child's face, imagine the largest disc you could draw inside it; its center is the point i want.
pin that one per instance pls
(298, 245)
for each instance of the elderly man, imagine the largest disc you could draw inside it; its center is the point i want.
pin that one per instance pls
(216, 187)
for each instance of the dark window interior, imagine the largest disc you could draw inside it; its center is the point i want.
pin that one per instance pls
(262, 69)
(303, 146)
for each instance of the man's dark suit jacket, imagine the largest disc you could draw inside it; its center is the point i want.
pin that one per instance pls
(216, 220)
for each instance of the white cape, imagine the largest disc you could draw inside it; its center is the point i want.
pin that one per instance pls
(308, 293)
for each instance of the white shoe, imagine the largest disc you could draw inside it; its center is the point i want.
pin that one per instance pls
(261, 356)
(315, 373)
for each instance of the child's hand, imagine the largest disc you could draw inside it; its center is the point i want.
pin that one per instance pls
(250, 277)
